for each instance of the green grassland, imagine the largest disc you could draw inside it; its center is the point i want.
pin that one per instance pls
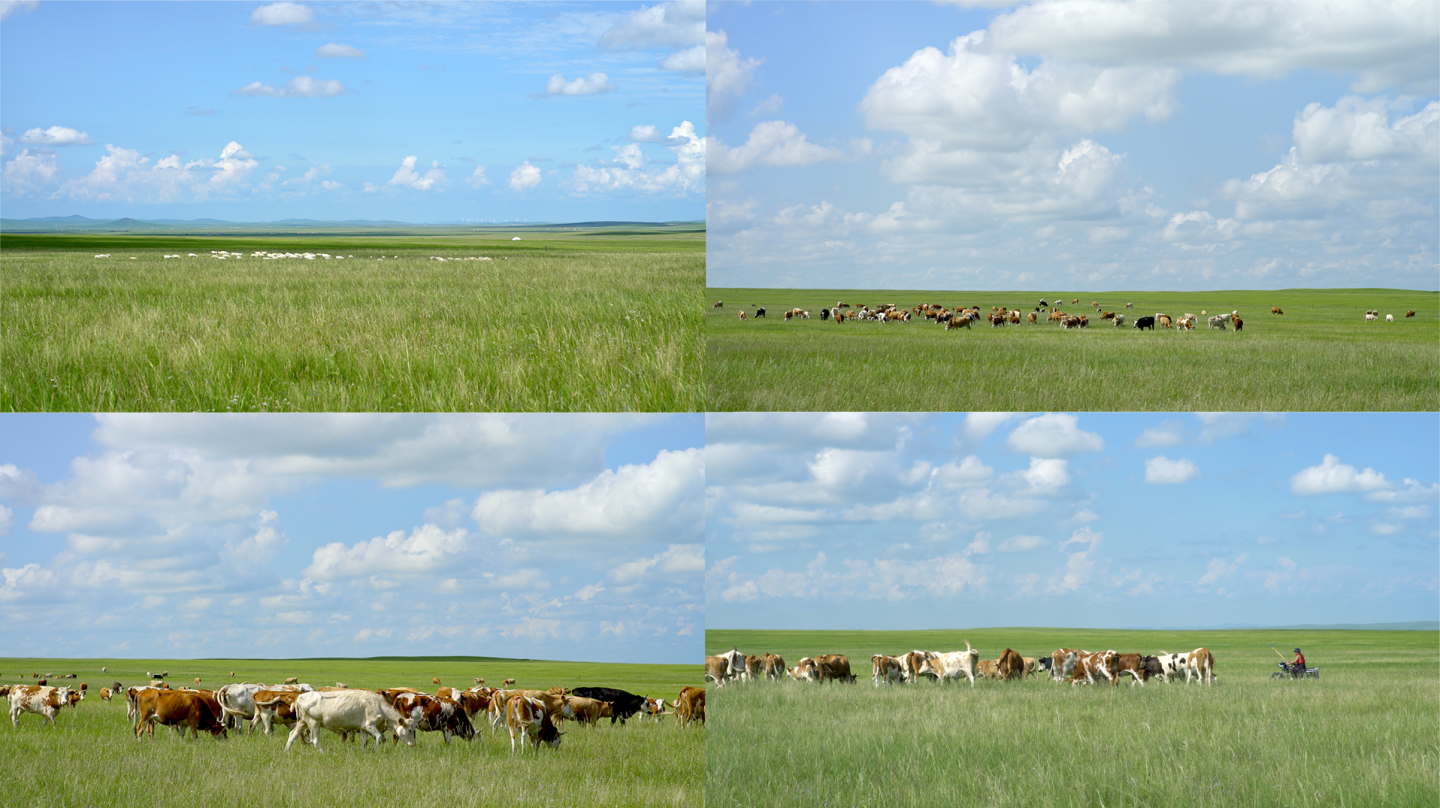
(91, 757)
(1367, 733)
(1319, 355)
(600, 320)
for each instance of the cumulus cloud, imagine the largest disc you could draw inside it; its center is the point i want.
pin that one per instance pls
(428, 548)
(407, 177)
(337, 51)
(1169, 433)
(631, 503)
(1053, 435)
(282, 14)
(477, 177)
(1165, 471)
(775, 143)
(629, 172)
(123, 174)
(727, 76)
(675, 24)
(56, 136)
(30, 173)
(298, 87)
(588, 85)
(524, 176)
(1334, 477)
(676, 559)
(7, 520)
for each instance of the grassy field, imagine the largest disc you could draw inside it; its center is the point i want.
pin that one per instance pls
(1367, 733)
(90, 758)
(1319, 355)
(592, 321)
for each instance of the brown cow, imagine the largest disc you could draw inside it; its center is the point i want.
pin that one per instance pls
(197, 681)
(990, 668)
(1133, 664)
(275, 706)
(1010, 665)
(1410, 313)
(588, 711)
(435, 680)
(507, 683)
(1276, 310)
(719, 304)
(196, 709)
(106, 693)
(833, 666)
(1109, 315)
(774, 667)
(690, 706)
(292, 681)
(1239, 323)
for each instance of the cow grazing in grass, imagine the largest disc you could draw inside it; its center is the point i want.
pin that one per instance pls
(1239, 323)
(760, 312)
(887, 669)
(833, 667)
(527, 716)
(193, 709)
(804, 671)
(1410, 313)
(1133, 664)
(106, 693)
(690, 705)
(1389, 318)
(719, 304)
(1099, 665)
(1276, 310)
(1145, 322)
(1119, 320)
(742, 316)
(274, 707)
(345, 711)
(1062, 662)
(1011, 665)
(1163, 320)
(947, 666)
(1109, 315)
(623, 704)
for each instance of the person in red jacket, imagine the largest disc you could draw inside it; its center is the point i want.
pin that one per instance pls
(1298, 666)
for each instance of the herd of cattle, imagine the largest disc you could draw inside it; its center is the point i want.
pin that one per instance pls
(1064, 664)
(531, 716)
(964, 316)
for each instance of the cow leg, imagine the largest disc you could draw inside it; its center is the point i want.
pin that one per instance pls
(375, 733)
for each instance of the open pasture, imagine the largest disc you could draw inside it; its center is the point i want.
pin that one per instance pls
(1366, 733)
(580, 321)
(1320, 354)
(91, 758)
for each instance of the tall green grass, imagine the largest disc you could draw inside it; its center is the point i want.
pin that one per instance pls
(92, 759)
(540, 329)
(1366, 733)
(1319, 355)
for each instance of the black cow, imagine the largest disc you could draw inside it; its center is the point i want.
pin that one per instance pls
(824, 314)
(1152, 666)
(1145, 322)
(622, 704)
(1045, 663)
(760, 312)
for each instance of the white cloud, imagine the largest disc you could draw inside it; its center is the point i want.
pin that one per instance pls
(298, 87)
(8, 7)
(588, 85)
(677, 559)
(1334, 477)
(124, 174)
(687, 173)
(977, 98)
(337, 51)
(1045, 476)
(1079, 566)
(56, 136)
(675, 24)
(524, 176)
(1387, 43)
(727, 77)
(690, 60)
(979, 425)
(427, 549)
(1053, 435)
(633, 502)
(1162, 470)
(1022, 544)
(283, 14)
(1359, 129)
(773, 143)
(1219, 569)
(770, 106)
(1107, 235)
(7, 520)
(30, 173)
(1169, 433)
(407, 177)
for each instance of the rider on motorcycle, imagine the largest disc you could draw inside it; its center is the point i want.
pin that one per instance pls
(1297, 668)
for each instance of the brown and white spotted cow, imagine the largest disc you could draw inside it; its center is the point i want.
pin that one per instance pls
(527, 716)
(886, 669)
(774, 667)
(690, 706)
(1099, 665)
(1062, 662)
(1201, 664)
(39, 699)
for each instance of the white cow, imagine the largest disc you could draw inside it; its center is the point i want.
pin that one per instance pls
(1389, 318)
(1173, 665)
(953, 665)
(238, 700)
(348, 711)
(735, 665)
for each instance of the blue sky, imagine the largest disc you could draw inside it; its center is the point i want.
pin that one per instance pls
(418, 112)
(895, 521)
(1074, 144)
(549, 537)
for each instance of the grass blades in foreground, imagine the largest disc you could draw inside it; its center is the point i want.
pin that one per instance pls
(584, 325)
(1367, 733)
(1319, 355)
(90, 758)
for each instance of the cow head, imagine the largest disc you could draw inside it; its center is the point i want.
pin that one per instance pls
(549, 734)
